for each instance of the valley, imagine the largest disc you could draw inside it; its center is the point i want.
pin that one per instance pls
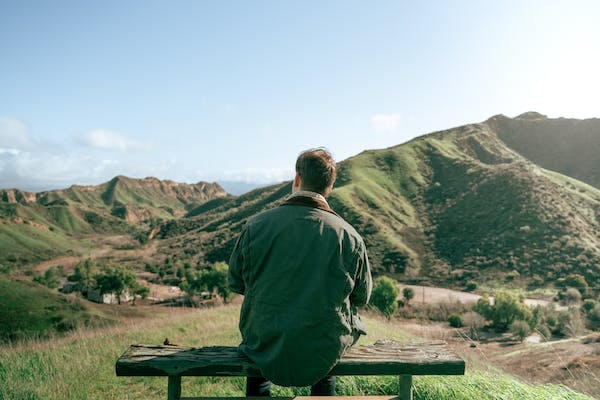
(453, 215)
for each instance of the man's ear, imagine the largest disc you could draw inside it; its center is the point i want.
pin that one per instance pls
(297, 182)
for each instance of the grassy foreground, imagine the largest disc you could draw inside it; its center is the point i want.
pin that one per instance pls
(81, 366)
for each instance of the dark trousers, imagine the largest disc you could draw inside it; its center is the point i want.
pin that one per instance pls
(262, 387)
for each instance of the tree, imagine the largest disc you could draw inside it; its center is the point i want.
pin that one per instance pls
(520, 329)
(208, 279)
(575, 281)
(115, 280)
(408, 294)
(216, 278)
(571, 296)
(85, 274)
(506, 308)
(49, 279)
(384, 295)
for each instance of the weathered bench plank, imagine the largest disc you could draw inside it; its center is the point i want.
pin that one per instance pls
(383, 358)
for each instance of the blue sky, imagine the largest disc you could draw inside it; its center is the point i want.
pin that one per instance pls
(234, 90)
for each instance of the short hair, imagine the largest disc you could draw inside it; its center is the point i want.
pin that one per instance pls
(317, 169)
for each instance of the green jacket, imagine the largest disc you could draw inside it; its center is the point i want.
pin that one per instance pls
(303, 270)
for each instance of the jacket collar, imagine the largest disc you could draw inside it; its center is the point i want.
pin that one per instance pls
(308, 199)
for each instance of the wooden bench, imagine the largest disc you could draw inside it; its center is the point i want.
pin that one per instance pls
(383, 358)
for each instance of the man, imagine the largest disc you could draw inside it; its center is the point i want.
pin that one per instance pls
(303, 270)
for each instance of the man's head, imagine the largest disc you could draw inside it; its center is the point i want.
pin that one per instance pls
(315, 171)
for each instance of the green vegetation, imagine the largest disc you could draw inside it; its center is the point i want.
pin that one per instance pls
(384, 295)
(207, 280)
(504, 311)
(520, 329)
(455, 320)
(116, 280)
(62, 370)
(408, 294)
(31, 311)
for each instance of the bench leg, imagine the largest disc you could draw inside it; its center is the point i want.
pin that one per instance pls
(405, 387)
(174, 389)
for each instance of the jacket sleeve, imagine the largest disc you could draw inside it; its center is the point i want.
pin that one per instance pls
(236, 264)
(363, 282)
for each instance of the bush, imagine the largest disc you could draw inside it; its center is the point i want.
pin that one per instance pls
(408, 294)
(570, 323)
(474, 322)
(471, 286)
(588, 305)
(506, 309)
(544, 331)
(455, 321)
(574, 281)
(593, 317)
(571, 296)
(384, 295)
(520, 329)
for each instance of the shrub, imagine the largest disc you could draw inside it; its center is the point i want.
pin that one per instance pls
(544, 331)
(474, 322)
(408, 294)
(571, 296)
(570, 323)
(574, 281)
(455, 321)
(384, 294)
(588, 305)
(520, 329)
(506, 309)
(593, 317)
(471, 286)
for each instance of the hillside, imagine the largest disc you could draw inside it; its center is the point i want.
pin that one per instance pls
(447, 207)
(464, 204)
(565, 145)
(38, 226)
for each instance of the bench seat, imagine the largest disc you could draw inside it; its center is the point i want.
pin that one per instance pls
(382, 358)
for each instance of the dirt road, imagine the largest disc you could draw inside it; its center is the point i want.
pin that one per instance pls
(432, 295)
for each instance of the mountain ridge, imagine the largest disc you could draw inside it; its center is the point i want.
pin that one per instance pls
(458, 203)
(447, 207)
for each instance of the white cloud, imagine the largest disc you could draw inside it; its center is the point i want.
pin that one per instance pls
(259, 175)
(108, 140)
(14, 134)
(14, 152)
(28, 164)
(386, 123)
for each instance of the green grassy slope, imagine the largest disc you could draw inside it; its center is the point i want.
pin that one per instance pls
(31, 311)
(22, 243)
(454, 201)
(83, 366)
(38, 226)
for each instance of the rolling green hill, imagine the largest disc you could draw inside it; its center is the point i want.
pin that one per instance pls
(39, 226)
(445, 208)
(463, 204)
(30, 311)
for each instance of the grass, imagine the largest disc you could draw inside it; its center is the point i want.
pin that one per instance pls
(81, 366)
(32, 311)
